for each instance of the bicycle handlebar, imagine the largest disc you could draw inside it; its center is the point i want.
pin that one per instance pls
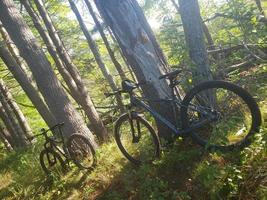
(43, 131)
(137, 85)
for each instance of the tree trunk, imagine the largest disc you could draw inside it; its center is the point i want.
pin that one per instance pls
(204, 27)
(142, 52)
(13, 137)
(192, 24)
(26, 85)
(46, 80)
(12, 48)
(259, 6)
(21, 137)
(6, 139)
(81, 96)
(96, 54)
(101, 31)
(17, 111)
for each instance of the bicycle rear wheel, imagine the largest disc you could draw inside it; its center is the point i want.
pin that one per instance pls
(81, 151)
(233, 114)
(52, 163)
(139, 143)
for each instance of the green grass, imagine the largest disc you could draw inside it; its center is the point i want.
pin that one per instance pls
(185, 170)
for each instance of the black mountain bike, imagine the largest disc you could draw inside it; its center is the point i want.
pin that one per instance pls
(218, 115)
(58, 152)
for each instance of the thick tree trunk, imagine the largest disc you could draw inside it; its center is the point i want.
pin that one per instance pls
(141, 50)
(101, 31)
(21, 137)
(26, 85)
(204, 27)
(46, 80)
(81, 98)
(6, 139)
(96, 54)
(190, 14)
(17, 111)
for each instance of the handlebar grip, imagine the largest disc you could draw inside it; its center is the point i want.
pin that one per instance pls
(108, 94)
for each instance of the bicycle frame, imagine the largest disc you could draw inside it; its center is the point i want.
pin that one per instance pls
(52, 143)
(135, 101)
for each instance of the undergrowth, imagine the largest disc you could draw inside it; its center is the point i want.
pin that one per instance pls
(185, 171)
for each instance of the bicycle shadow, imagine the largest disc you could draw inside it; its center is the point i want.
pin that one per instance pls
(171, 177)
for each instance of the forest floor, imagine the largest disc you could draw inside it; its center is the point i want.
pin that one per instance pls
(185, 170)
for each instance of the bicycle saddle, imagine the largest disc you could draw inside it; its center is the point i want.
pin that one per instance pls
(171, 75)
(128, 85)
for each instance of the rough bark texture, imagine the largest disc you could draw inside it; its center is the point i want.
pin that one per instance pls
(192, 23)
(96, 54)
(141, 50)
(46, 80)
(12, 48)
(205, 30)
(21, 137)
(101, 31)
(5, 138)
(26, 85)
(14, 138)
(82, 97)
(16, 110)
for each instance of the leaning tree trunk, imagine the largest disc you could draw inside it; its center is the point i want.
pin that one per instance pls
(46, 80)
(263, 17)
(101, 31)
(190, 14)
(26, 85)
(5, 138)
(141, 50)
(21, 137)
(82, 98)
(12, 48)
(16, 110)
(13, 137)
(259, 6)
(96, 54)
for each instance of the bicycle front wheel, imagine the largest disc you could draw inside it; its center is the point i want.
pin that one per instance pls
(136, 139)
(81, 151)
(233, 115)
(52, 163)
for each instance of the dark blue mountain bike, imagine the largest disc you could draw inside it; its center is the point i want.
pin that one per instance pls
(218, 115)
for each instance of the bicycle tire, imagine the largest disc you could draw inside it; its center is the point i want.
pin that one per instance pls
(76, 141)
(155, 140)
(57, 158)
(244, 96)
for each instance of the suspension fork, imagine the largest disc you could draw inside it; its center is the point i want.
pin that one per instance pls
(135, 135)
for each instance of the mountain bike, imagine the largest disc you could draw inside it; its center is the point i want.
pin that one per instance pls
(58, 152)
(218, 115)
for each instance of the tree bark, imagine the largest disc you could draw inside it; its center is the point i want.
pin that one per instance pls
(46, 80)
(12, 49)
(204, 27)
(96, 54)
(101, 31)
(81, 96)
(258, 3)
(26, 85)
(190, 14)
(14, 139)
(21, 137)
(6, 139)
(16, 110)
(142, 52)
